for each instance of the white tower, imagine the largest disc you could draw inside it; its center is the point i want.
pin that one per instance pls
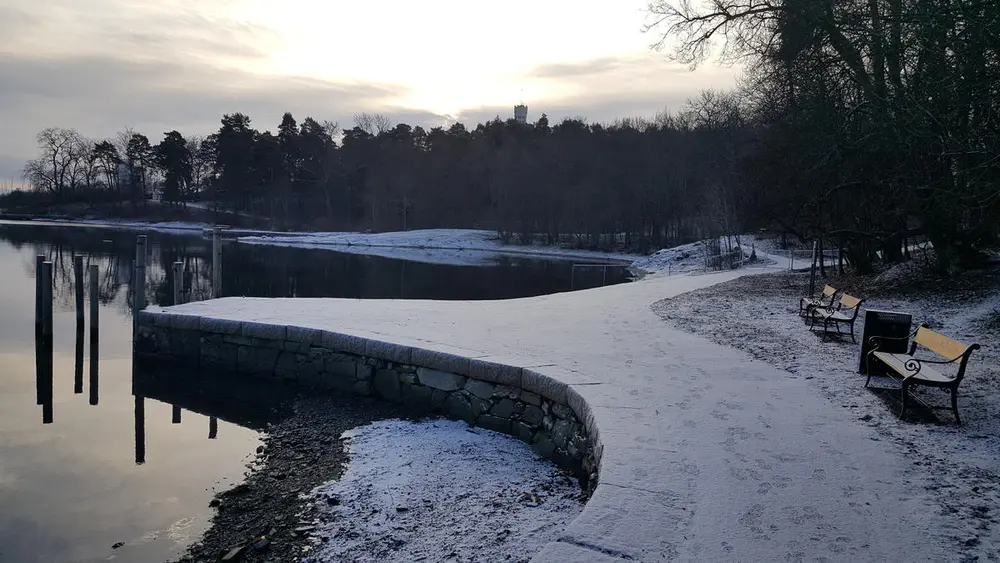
(521, 113)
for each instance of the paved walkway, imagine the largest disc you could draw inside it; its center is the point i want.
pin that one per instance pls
(708, 454)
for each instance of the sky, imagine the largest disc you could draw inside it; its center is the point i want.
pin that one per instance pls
(155, 65)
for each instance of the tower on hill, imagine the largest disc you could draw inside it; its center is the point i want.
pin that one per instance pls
(521, 113)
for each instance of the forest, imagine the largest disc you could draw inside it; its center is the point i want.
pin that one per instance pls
(860, 124)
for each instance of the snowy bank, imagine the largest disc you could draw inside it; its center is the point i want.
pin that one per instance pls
(177, 227)
(419, 243)
(437, 490)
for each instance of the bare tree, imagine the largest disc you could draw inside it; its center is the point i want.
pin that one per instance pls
(372, 123)
(53, 170)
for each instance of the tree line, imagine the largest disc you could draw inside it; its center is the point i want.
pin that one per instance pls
(636, 184)
(862, 125)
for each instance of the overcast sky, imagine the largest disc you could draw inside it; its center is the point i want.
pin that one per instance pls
(156, 65)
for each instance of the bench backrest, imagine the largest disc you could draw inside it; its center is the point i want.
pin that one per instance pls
(940, 344)
(829, 291)
(849, 302)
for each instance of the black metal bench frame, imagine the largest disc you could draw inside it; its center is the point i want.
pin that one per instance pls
(914, 365)
(829, 319)
(807, 304)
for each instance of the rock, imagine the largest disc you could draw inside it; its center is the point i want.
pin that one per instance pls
(561, 411)
(333, 500)
(494, 423)
(117, 545)
(543, 446)
(214, 503)
(387, 385)
(459, 407)
(479, 406)
(260, 544)
(439, 379)
(419, 395)
(303, 530)
(503, 409)
(402, 509)
(480, 389)
(523, 431)
(531, 398)
(561, 432)
(532, 415)
(234, 554)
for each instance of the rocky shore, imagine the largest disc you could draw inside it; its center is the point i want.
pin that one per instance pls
(264, 519)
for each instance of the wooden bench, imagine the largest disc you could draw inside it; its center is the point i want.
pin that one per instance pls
(916, 371)
(806, 304)
(844, 312)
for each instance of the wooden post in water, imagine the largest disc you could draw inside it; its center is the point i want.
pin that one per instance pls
(178, 282)
(175, 414)
(94, 301)
(213, 428)
(140, 272)
(95, 292)
(47, 298)
(78, 364)
(140, 430)
(216, 262)
(44, 384)
(94, 384)
(78, 279)
(39, 276)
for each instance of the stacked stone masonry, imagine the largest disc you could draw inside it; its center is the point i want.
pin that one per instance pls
(514, 400)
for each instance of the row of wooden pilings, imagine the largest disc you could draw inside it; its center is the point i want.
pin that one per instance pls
(44, 329)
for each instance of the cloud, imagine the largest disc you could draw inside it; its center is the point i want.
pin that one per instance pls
(99, 95)
(102, 65)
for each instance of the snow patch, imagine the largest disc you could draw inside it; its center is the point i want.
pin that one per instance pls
(436, 490)
(165, 227)
(405, 244)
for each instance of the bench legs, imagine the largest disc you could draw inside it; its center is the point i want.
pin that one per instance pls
(954, 404)
(903, 394)
(905, 391)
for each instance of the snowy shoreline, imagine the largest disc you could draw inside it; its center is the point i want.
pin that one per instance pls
(430, 242)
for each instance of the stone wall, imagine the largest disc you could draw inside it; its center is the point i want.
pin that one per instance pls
(518, 401)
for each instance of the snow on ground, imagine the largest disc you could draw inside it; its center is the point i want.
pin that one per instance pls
(689, 258)
(426, 240)
(165, 226)
(759, 315)
(438, 489)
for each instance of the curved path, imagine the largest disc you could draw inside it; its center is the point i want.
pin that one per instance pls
(707, 454)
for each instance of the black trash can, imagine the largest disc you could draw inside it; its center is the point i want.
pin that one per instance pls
(890, 324)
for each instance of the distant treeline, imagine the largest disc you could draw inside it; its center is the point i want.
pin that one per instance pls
(862, 125)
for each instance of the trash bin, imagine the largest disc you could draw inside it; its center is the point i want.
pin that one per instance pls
(890, 324)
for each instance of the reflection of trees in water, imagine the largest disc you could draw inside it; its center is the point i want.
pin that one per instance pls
(251, 270)
(113, 253)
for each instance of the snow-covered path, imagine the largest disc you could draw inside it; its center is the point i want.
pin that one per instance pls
(708, 454)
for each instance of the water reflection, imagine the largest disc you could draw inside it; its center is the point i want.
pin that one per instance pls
(262, 271)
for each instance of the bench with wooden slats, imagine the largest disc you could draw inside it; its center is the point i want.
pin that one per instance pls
(845, 312)
(826, 299)
(918, 371)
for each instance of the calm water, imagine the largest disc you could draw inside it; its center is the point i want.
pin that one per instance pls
(105, 453)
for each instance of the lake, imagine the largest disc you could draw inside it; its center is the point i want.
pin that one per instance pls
(100, 454)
